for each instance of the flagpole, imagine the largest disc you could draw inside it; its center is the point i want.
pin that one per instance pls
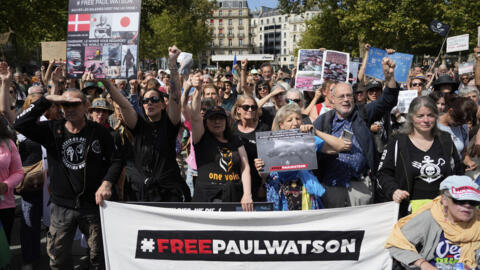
(441, 49)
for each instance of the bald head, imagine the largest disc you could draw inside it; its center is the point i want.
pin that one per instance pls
(36, 89)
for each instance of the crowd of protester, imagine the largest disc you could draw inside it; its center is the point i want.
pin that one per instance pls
(180, 135)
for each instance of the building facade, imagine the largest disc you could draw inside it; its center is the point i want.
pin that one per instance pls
(275, 33)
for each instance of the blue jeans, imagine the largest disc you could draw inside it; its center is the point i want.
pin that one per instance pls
(191, 178)
(32, 207)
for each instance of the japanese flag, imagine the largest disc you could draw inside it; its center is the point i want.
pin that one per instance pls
(125, 22)
(78, 22)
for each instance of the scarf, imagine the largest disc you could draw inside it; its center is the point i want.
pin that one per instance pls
(466, 235)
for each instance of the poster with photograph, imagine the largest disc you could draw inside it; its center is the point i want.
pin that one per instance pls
(465, 68)
(406, 97)
(374, 66)
(286, 150)
(309, 70)
(336, 66)
(103, 38)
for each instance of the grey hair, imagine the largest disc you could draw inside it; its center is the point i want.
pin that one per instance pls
(341, 83)
(467, 90)
(417, 103)
(283, 113)
(300, 94)
(278, 85)
(35, 89)
(284, 85)
(74, 90)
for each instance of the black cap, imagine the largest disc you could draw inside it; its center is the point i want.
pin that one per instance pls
(373, 85)
(444, 79)
(216, 110)
(91, 85)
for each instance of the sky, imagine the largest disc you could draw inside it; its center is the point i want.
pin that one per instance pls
(252, 4)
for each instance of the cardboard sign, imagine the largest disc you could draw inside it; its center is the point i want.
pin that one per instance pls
(54, 50)
(374, 66)
(457, 43)
(103, 38)
(286, 150)
(465, 68)
(309, 70)
(404, 99)
(336, 66)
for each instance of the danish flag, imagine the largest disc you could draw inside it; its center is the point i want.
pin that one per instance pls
(78, 22)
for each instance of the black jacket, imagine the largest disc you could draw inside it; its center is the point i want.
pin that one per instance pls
(67, 191)
(392, 171)
(362, 117)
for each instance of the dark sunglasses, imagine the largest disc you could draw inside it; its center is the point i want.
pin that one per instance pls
(417, 84)
(153, 99)
(71, 104)
(297, 100)
(463, 202)
(247, 107)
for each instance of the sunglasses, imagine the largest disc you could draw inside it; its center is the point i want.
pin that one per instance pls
(297, 100)
(153, 99)
(263, 88)
(417, 84)
(463, 202)
(71, 104)
(247, 107)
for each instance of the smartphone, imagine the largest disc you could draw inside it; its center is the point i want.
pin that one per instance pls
(347, 135)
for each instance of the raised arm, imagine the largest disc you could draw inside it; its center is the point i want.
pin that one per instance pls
(278, 90)
(186, 110)
(197, 122)
(174, 106)
(5, 82)
(477, 67)
(128, 113)
(46, 78)
(361, 71)
(57, 73)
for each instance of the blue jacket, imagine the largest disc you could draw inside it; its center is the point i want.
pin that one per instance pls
(363, 116)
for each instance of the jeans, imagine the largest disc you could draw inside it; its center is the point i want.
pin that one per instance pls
(191, 178)
(63, 224)
(32, 208)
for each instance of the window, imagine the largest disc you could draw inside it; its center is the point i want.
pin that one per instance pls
(261, 22)
(268, 21)
(294, 38)
(230, 32)
(219, 13)
(260, 28)
(212, 21)
(284, 43)
(229, 13)
(294, 27)
(229, 21)
(260, 37)
(220, 30)
(240, 12)
(285, 59)
(220, 42)
(279, 19)
(240, 52)
(273, 20)
(212, 52)
(284, 34)
(230, 52)
(285, 52)
(240, 22)
(213, 43)
(240, 42)
(229, 43)
(220, 21)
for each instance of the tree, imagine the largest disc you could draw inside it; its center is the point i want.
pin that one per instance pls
(401, 25)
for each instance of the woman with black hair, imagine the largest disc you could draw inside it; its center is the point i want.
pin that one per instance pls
(154, 174)
(222, 162)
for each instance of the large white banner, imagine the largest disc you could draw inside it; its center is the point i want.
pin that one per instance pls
(146, 237)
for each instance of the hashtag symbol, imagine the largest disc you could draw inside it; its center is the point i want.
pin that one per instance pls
(147, 245)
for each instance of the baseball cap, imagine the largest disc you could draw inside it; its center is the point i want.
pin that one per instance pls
(100, 103)
(253, 71)
(461, 187)
(216, 110)
(373, 85)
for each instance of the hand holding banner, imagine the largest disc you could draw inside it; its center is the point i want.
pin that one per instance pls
(402, 61)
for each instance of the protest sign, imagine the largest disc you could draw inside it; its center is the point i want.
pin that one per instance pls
(103, 38)
(336, 66)
(457, 43)
(286, 150)
(353, 74)
(374, 67)
(54, 50)
(203, 206)
(162, 238)
(464, 68)
(404, 99)
(309, 70)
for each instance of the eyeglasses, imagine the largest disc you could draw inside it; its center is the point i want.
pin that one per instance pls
(297, 100)
(465, 78)
(153, 99)
(263, 89)
(463, 202)
(247, 107)
(347, 96)
(71, 104)
(417, 84)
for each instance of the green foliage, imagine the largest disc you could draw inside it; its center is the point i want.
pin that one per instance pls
(401, 25)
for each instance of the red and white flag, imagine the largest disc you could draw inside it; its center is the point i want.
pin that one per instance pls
(78, 22)
(125, 22)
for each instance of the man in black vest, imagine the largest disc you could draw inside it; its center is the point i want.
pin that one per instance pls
(346, 175)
